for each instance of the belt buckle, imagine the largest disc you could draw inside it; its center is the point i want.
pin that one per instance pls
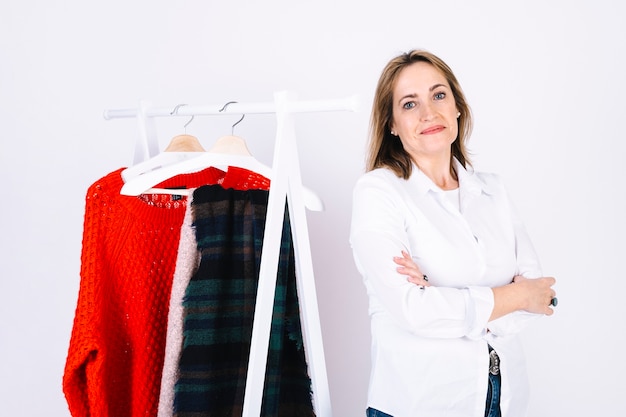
(494, 362)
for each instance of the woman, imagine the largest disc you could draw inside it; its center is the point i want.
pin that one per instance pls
(450, 272)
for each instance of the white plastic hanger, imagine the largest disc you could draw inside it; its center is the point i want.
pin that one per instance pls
(228, 151)
(181, 147)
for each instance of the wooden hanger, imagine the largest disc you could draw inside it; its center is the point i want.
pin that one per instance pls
(232, 145)
(181, 147)
(184, 143)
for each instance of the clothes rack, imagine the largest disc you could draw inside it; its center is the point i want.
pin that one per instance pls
(286, 186)
(302, 106)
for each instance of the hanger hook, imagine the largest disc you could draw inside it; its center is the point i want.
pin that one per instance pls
(232, 131)
(175, 111)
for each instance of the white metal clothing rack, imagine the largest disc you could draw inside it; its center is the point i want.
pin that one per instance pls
(286, 186)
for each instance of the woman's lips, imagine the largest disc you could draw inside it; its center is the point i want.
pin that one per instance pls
(433, 129)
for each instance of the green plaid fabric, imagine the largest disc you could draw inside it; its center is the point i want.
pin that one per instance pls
(219, 309)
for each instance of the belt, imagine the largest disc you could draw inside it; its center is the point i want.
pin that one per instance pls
(494, 362)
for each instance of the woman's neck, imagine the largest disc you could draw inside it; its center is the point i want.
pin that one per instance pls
(440, 171)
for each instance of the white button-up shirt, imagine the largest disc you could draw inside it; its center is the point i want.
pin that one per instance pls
(429, 345)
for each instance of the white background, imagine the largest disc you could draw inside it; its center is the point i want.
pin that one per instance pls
(545, 80)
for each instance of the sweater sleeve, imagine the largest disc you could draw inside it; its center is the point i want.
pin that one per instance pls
(84, 362)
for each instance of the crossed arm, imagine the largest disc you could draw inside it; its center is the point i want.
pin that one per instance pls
(522, 294)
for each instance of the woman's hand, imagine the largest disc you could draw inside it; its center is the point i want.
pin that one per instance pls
(532, 295)
(539, 293)
(409, 268)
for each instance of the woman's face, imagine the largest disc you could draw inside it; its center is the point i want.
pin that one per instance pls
(424, 111)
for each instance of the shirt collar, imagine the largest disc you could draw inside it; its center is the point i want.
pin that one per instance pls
(471, 182)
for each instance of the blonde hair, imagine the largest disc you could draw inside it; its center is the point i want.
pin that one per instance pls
(385, 150)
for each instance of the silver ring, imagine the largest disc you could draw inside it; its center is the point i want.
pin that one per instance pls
(554, 302)
(425, 278)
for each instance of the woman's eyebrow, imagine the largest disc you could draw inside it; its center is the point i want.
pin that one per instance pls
(437, 86)
(413, 95)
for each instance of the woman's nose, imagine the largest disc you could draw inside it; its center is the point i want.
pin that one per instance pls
(426, 112)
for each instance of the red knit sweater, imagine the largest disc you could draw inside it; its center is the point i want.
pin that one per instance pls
(116, 350)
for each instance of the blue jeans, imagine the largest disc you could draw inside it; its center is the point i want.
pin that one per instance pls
(492, 405)
(372, 412)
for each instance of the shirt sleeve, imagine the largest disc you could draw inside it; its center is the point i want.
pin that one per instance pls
(528, 266)
(378, 233)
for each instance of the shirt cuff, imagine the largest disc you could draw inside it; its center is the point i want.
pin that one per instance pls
(512, 323)
(479, 302)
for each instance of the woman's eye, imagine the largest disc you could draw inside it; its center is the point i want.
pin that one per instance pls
(440, 96)
(409, 105)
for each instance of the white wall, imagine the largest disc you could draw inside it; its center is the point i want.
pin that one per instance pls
(545, 80)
